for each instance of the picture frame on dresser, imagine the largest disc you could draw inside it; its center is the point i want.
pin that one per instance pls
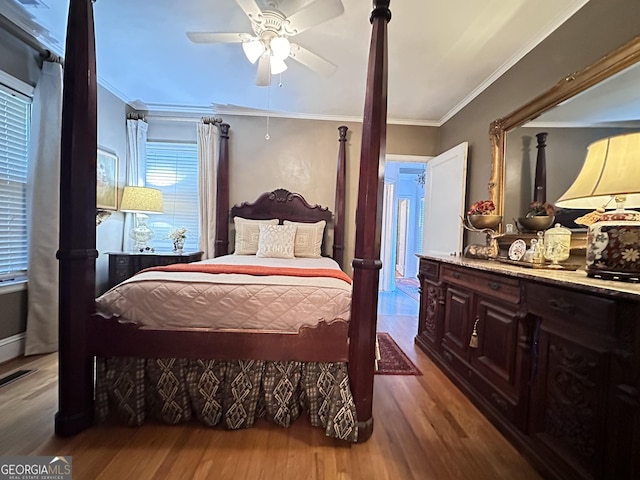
(106, 180)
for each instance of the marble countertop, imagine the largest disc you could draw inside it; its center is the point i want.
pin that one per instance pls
(577, 278)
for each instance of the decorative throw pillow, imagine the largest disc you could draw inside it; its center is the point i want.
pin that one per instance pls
(248, 233)
(308, 238)
(276, 241)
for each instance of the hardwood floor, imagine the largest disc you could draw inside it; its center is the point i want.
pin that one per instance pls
(424, 429)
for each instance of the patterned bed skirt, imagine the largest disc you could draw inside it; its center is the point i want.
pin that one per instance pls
(228, 393)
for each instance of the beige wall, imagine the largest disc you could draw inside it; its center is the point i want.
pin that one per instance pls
(599, 27)
(112, 116)
(301, 156)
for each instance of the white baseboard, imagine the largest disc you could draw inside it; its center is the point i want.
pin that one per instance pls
(12, 347)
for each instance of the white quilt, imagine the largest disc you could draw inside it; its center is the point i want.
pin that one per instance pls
(232, 301)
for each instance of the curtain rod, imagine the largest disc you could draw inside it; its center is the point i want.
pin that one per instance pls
(23, 36)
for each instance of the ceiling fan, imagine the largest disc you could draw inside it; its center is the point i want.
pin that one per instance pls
(269, 45)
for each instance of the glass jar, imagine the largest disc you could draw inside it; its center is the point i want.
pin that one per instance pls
(557, 244)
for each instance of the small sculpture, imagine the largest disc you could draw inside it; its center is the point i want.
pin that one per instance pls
(489, 250)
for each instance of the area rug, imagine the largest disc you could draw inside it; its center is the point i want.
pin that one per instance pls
(392, 360)
(409, 286)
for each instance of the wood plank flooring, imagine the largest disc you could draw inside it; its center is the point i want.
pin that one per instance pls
(424, 429)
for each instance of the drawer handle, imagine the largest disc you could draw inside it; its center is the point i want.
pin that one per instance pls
(502, 405)
(456, 274)
(629, 391)
(447, 356)
(494, 285)
(561, 305)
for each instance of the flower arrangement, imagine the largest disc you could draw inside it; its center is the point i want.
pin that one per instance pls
(541, 209)
(179, 234)
(482, 207)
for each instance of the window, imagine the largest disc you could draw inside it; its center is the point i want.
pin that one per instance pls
(15, 120)
(173, 168)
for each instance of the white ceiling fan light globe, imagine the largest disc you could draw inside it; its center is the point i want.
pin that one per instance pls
(280, 47)
(277, 65)
(253, 50)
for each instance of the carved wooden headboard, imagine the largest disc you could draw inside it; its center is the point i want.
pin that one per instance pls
(283, 205)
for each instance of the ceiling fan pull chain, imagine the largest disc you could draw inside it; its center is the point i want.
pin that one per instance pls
(267, 136)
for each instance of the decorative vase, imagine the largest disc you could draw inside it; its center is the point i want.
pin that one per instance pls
(178, 246)
(485, 221)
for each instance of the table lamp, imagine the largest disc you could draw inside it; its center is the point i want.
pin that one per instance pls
(611, 171)
(141, 201)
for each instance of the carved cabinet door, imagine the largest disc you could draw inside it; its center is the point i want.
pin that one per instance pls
(457, 323)
(568, 404)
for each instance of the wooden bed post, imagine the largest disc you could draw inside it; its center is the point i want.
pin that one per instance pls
(338, 224)
(77, 250)
(222, 194)
(366, 262)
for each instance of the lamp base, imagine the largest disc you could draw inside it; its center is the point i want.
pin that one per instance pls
(613, 247)
(142, 233)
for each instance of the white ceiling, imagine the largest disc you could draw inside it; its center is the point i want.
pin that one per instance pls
(442, 53)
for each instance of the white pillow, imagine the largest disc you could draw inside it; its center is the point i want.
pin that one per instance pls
(248, 233)
(276, 241)
(308, 238)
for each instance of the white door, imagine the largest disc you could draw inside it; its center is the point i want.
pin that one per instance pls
(444, 202)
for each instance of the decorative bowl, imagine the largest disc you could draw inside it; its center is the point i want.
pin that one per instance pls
(535, 224)
(485, 221)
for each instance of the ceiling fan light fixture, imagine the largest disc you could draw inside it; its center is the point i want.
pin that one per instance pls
(253, 50)
(277, 65)
(280, 47)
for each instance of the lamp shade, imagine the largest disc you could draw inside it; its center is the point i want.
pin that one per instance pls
(280, 47)
(277, 66)
(141, 200)
(612, 168)
(253, 50)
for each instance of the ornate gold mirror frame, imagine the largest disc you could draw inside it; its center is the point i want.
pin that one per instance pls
(616, 61)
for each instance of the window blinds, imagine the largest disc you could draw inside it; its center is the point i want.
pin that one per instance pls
(173, 168)
(15, 121)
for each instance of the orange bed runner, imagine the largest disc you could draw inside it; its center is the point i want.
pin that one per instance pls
(252, 270)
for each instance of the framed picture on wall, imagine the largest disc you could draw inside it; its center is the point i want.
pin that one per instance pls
(107, 180)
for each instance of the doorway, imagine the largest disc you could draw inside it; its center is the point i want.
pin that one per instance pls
(402, 219)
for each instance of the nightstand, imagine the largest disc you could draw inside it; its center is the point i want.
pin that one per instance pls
(123, 265)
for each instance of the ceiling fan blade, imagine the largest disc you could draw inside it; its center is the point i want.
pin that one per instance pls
(251, 8)
(311, 60)
(263, 78)
(313, 14)
(218, 37)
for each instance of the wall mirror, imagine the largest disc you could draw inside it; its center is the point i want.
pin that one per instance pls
(600, 101)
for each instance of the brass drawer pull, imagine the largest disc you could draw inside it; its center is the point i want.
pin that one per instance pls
(561, 305)
(494, 285)
(456, 274)
(447, 356)
(502, 405)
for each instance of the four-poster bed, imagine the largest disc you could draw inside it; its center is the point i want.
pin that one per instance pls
(83, 333)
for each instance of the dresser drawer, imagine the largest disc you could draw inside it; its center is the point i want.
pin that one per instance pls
(498, 286)
(429, 269)
(578, 308)
(122, 261)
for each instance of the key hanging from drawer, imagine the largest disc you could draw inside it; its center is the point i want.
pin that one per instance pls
(473, 342)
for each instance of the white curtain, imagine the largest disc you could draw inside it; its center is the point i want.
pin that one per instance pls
(43, 211)
(136, 167)
(207, 163)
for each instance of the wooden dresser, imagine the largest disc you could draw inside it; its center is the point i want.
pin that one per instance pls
(554, 362)
(123, 265)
